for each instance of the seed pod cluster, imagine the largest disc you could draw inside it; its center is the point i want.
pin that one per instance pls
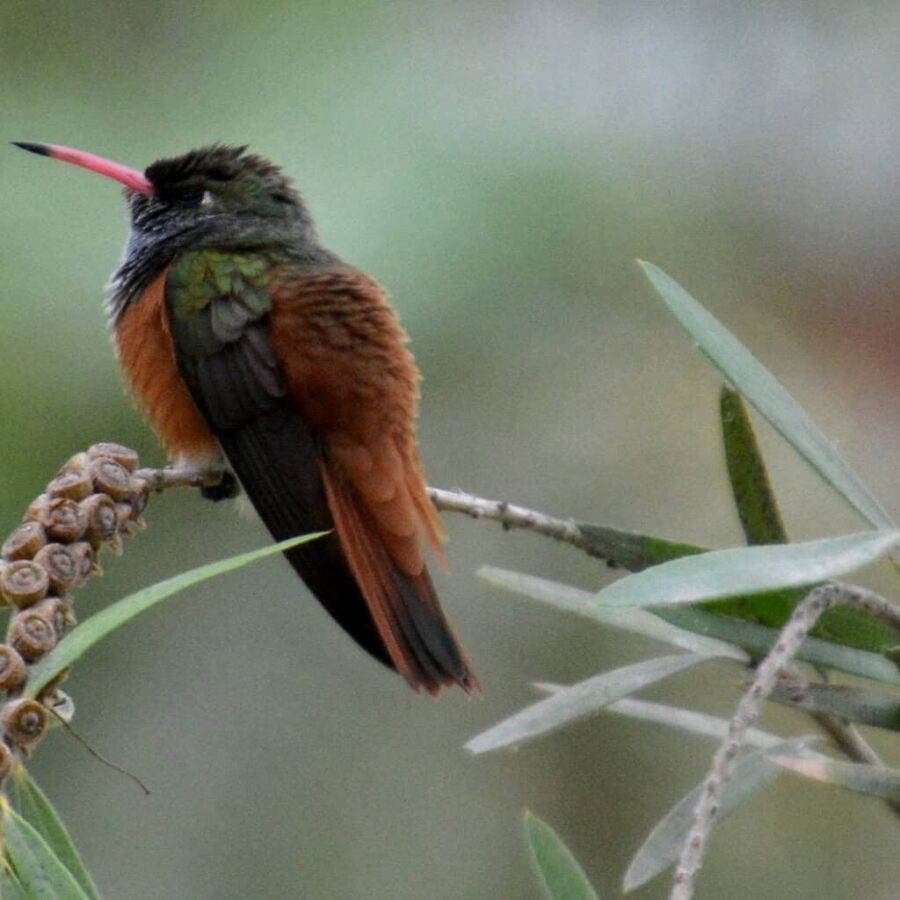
(92, 502)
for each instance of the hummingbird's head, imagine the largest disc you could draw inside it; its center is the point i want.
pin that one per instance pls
(217, 195)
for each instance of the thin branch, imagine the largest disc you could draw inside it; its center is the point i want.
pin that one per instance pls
(509, 515)
(161, 479)
(96, 753)
(804, 617)
(852, 744)
(844, 734)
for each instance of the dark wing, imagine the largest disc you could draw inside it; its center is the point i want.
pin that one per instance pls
(226, 355)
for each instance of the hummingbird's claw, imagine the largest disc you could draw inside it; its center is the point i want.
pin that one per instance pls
(227, 488)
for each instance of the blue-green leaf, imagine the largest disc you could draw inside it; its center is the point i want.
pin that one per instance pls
(878, 709)
(583, 699)
(635, 621)
(689, 720)
(760, 387)
(98, 626)
(10, 886)
(748, 570)
(37, 867)
(753, 495)
(630, 549)
(663, 845)
(696, 629)
(560, 875)
(37, 810)
(877, 781)
(759, 640)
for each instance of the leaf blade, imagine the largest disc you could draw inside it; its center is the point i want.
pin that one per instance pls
(37, 810)
(721, 574)
(579, 701)
(636, 621)
(877, 709)
(688, 720)
(98, 626)
(758, 640)
(750, 486)
(10, 886)
(37, 867)
(559, 873)
(766, 394)
(696, 629)
(630, 549)
(875, 781)
(662, 846)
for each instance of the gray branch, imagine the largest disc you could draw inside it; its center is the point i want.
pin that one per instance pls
(804, 617)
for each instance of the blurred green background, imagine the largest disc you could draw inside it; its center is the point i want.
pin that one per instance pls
(498, 167)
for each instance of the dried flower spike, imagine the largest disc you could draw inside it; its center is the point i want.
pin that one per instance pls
(102, 518)
(57, 612)
(31, 634)
(24, 542)
(124, 514)
(74, 485)
(38, 510)
(61, 565)
(84, 556)
(24, 582)
(124, 456)
(66, 521)
(6, 761)
(77, 463)
(110, 477)
(24, 721)
(12, 668)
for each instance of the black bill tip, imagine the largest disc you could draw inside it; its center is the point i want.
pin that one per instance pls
(40, 149)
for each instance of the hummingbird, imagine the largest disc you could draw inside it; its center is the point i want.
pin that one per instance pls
(261, 358)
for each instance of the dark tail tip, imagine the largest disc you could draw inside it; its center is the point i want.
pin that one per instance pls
(40, 149)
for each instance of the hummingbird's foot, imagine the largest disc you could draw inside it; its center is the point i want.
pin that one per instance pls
(216, 481)
(226, 488)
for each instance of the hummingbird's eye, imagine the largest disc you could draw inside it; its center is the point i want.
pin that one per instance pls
(191, 196)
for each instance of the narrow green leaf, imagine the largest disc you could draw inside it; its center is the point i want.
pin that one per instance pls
(876, 781)
(631, 550)
(37, 867)
(98, 626)
(663, 845)
(557, 869)
(699, 630)
(10, 886)
(758, 640)
(636, 552)
(851, 626)
(748, 570)
(580, 700)
(861, 705)
(756, 506)
(760, 387)
(753, 495)
(37, 810)
(635, 621)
